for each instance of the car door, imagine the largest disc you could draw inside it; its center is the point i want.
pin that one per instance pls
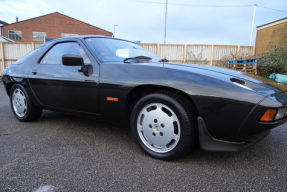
(64, 87)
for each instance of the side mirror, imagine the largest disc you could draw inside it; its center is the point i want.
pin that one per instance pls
(72, 60)
(75, 60)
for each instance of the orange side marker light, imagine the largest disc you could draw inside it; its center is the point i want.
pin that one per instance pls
(112, 99)
(268, 115)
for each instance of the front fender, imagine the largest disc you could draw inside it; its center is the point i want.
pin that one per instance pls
(222, 105)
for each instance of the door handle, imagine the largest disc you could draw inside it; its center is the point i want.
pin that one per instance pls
(34, 71)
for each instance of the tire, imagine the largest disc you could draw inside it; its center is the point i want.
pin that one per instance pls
(164, 125)
(21, 105)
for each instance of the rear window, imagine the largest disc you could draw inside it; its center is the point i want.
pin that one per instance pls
(23, 59)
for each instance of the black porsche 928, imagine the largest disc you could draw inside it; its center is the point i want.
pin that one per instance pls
(169, 107)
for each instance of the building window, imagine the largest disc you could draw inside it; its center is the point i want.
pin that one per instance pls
(39, 36)
(68, 34)
(15, 35)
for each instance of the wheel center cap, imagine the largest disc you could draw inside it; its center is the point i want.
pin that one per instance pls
(156, 128)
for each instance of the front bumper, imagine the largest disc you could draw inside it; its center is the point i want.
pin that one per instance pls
(252, 125)
(208, 143)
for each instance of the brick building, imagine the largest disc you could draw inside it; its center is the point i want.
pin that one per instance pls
(2, 23)
(275, 32)
(54, 25)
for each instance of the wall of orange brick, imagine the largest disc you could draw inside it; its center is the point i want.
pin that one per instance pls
(276, 34)
(54, 25)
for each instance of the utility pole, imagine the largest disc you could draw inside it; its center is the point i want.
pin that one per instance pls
(252, 24)
(165, 23)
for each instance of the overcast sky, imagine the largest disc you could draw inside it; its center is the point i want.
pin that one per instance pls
(145, 21)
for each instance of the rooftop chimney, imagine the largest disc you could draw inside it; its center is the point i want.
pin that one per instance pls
(16, 19)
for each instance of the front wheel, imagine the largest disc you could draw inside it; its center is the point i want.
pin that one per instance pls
(163, 125)
(22, 107)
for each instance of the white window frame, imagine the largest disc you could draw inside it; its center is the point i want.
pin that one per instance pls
(19, 35)
(34, 32)
(68, 34)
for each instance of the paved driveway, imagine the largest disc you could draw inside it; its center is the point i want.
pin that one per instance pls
(67, 153)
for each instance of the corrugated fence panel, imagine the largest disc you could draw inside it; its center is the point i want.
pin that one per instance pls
(37, 45)
(16, 51)
(0, 53)
(7, 63)
(150, 47)
(219, 51)
(1, 68)
(198, 52)
(246, 50)
(173, 53)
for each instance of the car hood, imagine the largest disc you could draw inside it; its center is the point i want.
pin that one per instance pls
(269, 83)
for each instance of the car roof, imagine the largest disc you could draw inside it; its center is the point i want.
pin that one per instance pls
(88, 36)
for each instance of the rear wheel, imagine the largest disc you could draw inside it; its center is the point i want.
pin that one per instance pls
(22, 107)
(163, 125)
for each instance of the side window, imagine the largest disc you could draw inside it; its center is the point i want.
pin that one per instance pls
(54, 55)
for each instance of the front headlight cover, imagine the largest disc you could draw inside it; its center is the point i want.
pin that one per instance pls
(280, 113)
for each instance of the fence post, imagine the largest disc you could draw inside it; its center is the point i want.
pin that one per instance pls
(33, 45)
(238, 50)
(184, 54)
(157, 50)
(3, 57)
(211, 55)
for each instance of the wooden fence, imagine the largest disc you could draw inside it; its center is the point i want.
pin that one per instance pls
(177, 53)
(190, 53)
(11, 52)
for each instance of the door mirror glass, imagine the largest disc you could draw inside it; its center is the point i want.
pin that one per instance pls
(72, 60)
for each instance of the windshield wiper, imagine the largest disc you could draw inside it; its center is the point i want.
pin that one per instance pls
(163, 60)
(138, 58)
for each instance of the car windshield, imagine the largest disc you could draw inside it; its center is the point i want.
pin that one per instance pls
(117, 50)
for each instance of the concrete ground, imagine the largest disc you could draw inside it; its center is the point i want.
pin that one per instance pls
(66, 153)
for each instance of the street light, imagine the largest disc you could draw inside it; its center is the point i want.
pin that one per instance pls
(115, 30)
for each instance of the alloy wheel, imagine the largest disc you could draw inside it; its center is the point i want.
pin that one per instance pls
(158, 127)
(19, 102)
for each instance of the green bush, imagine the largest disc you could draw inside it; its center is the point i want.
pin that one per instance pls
(273, 60)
